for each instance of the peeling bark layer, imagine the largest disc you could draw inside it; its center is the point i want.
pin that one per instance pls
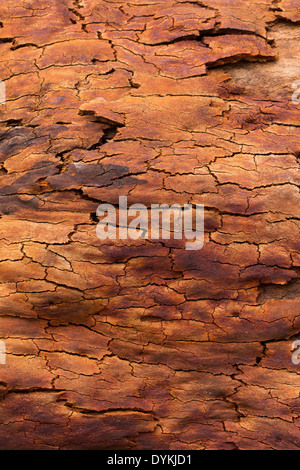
(142, 344)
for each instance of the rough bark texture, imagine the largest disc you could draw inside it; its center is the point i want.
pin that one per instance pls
(142, 344)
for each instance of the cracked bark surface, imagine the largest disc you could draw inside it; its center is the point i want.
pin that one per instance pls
(141, 344)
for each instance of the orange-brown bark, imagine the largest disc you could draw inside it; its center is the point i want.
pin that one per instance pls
(142, 344)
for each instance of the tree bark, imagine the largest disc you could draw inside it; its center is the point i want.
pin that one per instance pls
(123, 344)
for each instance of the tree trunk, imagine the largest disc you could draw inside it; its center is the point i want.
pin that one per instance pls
(143, 344)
